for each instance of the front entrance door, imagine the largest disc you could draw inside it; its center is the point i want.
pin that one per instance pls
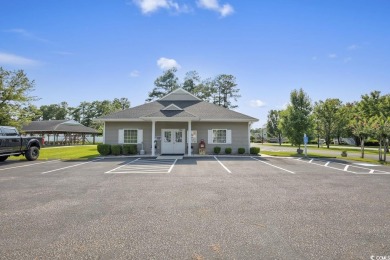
(173, 141)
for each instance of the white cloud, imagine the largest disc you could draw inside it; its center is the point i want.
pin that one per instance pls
(223, 10)
(134, 74)
(353, 47)
(166, 64)
(226, 9)
(332, 56)
(150, 6)
(26, 34)
(11, 59)
(348, 59)
(257, 103)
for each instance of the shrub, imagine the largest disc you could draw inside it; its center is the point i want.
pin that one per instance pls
(217, 150)
(228, 150)
(133, 149)
(116, 149)
(129, 149)
(344, 154)
(104, 149)
(254, 150)
(371, 142)
(241, 150)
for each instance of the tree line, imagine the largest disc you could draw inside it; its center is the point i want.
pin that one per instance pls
(329, 119)
(17, 108)
(221, 90)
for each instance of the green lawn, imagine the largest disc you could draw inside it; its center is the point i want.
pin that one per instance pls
(314, 155)
(69, 153)
(82, 152)
(354, 149)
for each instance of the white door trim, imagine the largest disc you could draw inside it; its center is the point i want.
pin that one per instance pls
(172, 142)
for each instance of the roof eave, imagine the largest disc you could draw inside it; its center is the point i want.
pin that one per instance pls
(230, 120)
(170, 119)
(118, 120)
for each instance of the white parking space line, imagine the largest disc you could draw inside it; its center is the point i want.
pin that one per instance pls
(27, 165)
(145, 166)
(280, 168)
(327, 166)
(347, 166)
(371, 171)
(222, 165)
(123, 165)
(75, 165)
(170, 169)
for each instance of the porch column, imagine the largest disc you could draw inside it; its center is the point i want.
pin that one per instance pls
(249, 136)
(189, 138)
(153, 137)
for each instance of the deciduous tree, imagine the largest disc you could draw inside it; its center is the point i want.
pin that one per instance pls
(273, 125)
(15, 97)
(295, 120)
(327, 116)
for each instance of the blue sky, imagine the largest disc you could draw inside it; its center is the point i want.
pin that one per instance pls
(104, 49)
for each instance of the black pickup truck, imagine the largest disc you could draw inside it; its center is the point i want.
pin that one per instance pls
(11, 143)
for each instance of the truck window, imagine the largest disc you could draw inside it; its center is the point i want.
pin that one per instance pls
(10, 132)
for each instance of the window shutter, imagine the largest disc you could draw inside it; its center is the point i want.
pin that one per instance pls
(140, 136)
(210, 137)
(228, 136)
(121, 136)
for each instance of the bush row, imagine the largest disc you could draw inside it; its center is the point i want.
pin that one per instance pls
(228, 150)
(117, 149)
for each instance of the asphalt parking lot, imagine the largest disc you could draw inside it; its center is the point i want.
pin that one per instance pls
(194, 208)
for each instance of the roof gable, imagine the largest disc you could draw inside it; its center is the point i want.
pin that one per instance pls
(172, 107)
(179, 95)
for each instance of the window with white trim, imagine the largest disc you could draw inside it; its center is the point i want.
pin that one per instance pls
(130, 136)
(219, 136)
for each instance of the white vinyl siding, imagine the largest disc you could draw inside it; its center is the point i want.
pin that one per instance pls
(130, 136)
(219, 136)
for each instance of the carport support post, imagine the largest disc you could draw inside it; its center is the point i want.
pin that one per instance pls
(189, 138)
(153, 136)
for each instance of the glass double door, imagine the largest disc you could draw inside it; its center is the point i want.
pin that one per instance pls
(173, 141)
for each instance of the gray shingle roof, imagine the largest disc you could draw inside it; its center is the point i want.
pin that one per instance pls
(170, 114)
(192, 108)
(179, 95)
(58, 126)
(201, 109)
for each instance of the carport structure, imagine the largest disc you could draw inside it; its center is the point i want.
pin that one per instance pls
(73, 131)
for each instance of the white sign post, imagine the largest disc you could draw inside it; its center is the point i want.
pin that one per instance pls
(305, 141)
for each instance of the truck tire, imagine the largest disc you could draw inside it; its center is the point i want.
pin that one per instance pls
(3, 158)
(32, 153)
